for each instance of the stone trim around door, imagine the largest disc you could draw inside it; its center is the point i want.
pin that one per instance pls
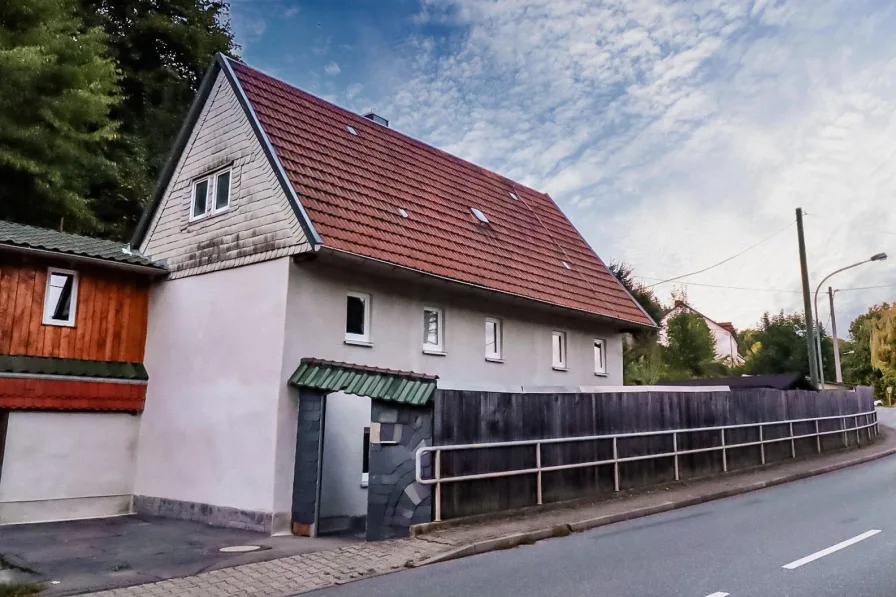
(216, 516)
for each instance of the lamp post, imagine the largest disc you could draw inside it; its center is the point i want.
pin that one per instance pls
(877, 257)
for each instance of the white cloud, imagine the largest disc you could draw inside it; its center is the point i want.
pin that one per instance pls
(291, 12)
(332, 69)
(675, 134)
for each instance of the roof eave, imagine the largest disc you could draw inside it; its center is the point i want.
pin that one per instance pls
(623, 324)
(146, 270)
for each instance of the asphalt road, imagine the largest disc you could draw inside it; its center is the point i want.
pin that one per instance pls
(737, 546)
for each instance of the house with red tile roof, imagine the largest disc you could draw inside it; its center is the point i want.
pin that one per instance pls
(73, 316)
(724, 334)
(294, 229)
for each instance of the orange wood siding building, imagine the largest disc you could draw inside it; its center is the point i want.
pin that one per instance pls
(110, 313)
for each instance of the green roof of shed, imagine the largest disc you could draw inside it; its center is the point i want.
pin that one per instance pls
(72, 368)
(29, 237)
(405, 387)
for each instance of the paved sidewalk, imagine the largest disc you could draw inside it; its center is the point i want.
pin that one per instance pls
(302, 573)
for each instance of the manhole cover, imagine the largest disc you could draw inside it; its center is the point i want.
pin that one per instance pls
(240, 548)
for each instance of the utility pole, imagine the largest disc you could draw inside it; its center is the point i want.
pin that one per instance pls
(807, 301)
(834, 334)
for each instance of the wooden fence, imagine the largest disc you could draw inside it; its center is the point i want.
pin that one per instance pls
(468, 417)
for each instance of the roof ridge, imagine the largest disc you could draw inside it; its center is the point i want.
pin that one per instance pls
(423, 144)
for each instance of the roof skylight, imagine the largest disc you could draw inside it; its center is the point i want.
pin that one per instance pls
(514, 196)
(479, 215)
(402, 212)
(351, 129)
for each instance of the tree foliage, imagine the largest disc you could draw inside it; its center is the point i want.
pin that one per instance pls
(857, 366)
(162, 49)
(690, 351)
(779, 345)
(58, 89)
(645, 296)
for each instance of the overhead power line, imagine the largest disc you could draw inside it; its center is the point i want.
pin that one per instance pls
(686, 283)
(866, 288)
(724, 261)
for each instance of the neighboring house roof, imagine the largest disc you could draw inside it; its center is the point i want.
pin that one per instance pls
(781, 381)
(405, 387)
(27, 365)
(21, 237)
(727, 325)
(352, 181)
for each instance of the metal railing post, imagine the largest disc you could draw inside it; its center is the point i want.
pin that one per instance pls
(761, 445)
(868, 422)
(858, 432)
(724, 454)
(843, 427)
(438, 471)
(538, 466)
(792, 443)
(615, 466)
(817, 436)
(675, 450)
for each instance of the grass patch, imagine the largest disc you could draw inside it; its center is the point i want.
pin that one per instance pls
(20, 590)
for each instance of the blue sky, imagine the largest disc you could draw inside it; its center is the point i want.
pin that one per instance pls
(673, 134)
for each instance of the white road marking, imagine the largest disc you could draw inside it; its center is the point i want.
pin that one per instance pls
(719, 594)
(830, 550)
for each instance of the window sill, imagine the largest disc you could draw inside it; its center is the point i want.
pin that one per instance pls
(209, 215)
(436, 353)
(494, 359)
(365, 480)
(61, 324)
(363, 343)
(555, 368)
(601, 375)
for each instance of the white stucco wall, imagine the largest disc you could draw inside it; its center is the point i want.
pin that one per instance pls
(214, 355)
(315, 327)
(61, 466)
(341, 494)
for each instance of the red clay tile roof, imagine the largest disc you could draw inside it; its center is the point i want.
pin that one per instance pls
(353, 186)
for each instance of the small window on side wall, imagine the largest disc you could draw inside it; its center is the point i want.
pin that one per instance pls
(600, 357)
(60, 297)
(433, 330)
(365, 459)
(493, 340)
(558, 348)
(357, 317)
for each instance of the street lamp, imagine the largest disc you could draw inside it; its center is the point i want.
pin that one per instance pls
(877, 257)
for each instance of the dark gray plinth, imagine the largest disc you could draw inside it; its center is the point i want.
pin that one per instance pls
(309, 438)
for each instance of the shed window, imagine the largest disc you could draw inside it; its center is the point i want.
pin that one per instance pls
(558, 348)
(493, 339)
(357, 317)
(433, 327)
(60, 297)
(600, 357)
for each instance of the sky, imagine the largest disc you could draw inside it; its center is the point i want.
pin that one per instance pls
(673, 134)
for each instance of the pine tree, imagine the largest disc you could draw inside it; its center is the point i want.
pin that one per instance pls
(162, 49)
(55, 98)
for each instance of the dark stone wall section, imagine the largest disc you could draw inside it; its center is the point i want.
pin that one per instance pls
(308, 449)
(395, 500)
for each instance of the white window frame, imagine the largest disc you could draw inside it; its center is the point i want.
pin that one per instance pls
(362, 339)
(600, 369)
(211, 197)
(498, 355)
(438, 348)
(73, 310)
(561, 363)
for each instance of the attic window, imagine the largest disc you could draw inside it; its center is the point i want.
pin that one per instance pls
(514, 196)
(351, 129)
(60, 297)
(479, 215)
(566, 265)
(402, 212)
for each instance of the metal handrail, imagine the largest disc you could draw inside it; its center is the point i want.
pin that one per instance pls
(539, 469)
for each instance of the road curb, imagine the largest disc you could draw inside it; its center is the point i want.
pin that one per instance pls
(559, 530)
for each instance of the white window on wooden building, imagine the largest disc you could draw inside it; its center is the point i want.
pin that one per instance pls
(61, 297)
(493, 339)
(558, 349)
(433, 330)
(357, 318)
